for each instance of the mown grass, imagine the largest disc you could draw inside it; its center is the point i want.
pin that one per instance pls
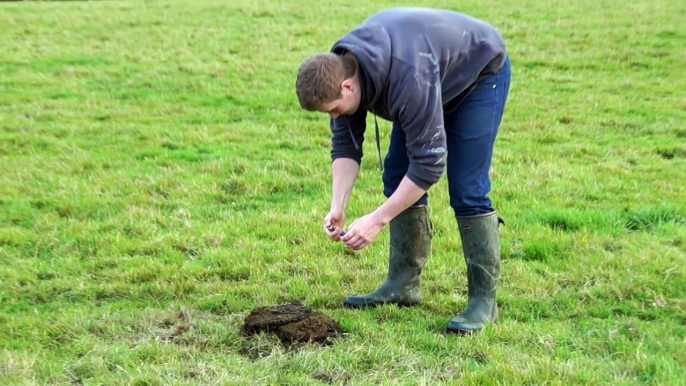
(158, 181)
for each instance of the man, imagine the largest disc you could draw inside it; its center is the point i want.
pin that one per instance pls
(442, 78)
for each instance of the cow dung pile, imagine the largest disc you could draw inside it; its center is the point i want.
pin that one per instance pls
(291, 323)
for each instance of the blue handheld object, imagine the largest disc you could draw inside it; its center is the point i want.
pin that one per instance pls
(342, 234)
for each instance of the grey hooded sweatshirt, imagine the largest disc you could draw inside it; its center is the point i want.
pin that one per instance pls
(415, 65)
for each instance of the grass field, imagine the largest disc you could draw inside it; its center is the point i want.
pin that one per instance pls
(158, 181)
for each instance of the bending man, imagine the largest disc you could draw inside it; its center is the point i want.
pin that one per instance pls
(442, 78)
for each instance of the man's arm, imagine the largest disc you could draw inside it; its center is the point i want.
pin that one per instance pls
(418, 106)
(346, 154)
(344, 175)
(420, 113)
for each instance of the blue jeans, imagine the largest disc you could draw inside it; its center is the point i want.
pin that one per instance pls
(470, 130)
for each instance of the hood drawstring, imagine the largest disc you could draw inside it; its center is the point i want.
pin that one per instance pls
(350, 130)
(378, 141)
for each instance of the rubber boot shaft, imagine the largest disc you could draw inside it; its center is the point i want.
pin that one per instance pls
(410, 246)
(481, 245)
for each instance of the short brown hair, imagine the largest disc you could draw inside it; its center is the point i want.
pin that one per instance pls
(320, 77)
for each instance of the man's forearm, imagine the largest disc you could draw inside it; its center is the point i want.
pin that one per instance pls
(407, 194)
(344, 175)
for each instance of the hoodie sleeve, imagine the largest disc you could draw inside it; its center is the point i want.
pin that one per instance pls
(347, 135)
(416, 101)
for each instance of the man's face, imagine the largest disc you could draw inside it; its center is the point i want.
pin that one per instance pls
(347, 104)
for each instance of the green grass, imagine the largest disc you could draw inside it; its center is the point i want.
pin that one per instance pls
(158, 181)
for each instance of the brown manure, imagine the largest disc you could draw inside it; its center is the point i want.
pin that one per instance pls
(291, 323)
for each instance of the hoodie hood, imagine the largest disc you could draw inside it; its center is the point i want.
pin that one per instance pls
(371, 46)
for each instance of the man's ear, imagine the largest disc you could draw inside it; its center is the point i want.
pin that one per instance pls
(347, 85)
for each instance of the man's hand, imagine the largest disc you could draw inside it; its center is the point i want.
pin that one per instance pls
(333, 224)
(362, 231)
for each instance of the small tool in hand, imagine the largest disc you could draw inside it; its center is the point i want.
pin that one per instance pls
(332, 228)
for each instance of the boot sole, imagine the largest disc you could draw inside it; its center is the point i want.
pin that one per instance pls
(373, 305)
(460, 332)
(466, 332)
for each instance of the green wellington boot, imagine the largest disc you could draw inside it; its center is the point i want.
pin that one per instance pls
(411, 234)
(481, 246)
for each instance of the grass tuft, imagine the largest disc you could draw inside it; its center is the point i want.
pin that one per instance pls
(648, 219)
